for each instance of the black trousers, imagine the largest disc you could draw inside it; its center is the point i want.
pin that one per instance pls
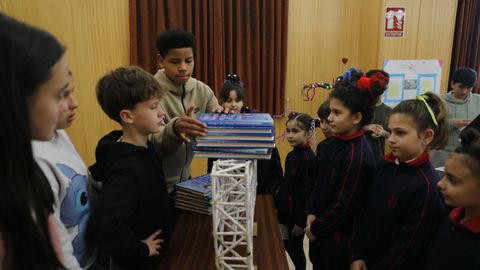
(294, 247)
(329, 256)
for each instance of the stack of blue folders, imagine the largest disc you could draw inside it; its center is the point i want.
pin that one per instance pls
(195, 195)
(236, 136)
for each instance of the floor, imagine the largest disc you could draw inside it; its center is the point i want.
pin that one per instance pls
(305, 247)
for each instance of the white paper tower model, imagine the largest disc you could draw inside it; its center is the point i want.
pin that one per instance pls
(234, 188)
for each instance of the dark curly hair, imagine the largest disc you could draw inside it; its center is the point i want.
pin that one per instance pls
(359, 93)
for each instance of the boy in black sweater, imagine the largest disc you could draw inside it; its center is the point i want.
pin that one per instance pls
(131, 220)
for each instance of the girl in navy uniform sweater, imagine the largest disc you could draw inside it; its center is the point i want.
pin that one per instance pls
(403, 204)
(293, 191)
(457, 244)
(343, 175)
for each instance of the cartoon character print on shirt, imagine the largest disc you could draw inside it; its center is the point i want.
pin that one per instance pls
(74, 211)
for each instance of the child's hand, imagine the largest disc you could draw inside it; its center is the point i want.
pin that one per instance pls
(461, 122)
(227, 110)
(219, 109)
(309, 234)
(370, 127)
(377, 130)
(358, 265)
(154, 244)
(187, 125)
(380, 132)
(297, 231)
(310, 219)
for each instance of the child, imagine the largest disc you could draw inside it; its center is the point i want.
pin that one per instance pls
(403, 205)
(375, 131)
(463, 107)
(131, 219)
(457, 245)
(185, 98)
(341, 180)
(292, 193)
(33, 71)
(323, 147)
(269, 172)
(68, 177)
(232, 95)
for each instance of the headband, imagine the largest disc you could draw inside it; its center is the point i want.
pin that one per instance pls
(424, 99)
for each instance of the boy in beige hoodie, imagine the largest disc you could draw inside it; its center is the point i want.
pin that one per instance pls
(185, 98)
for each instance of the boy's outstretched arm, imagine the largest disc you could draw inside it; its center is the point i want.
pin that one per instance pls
(173, 133)
(186, 125)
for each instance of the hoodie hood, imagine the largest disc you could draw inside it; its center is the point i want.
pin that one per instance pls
(168, 85)
(108, 153)
(450, 98)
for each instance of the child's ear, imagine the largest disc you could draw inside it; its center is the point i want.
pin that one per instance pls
(357, 118)
(126, 116)
(309, 134)
(160, 60)
(428, 136)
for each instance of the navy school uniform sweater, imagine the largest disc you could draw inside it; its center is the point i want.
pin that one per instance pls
(340, 186)
(293, 191)
(269, 173)
(323, 150)
(456, 245)
(400, 216)
(133, 203)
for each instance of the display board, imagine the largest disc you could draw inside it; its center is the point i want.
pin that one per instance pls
(410, 78)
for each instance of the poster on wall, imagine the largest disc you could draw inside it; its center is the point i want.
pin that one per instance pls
(394, 21)
(410, 78)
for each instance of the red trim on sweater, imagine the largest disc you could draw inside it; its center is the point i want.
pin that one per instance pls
(352, 155)
(417, 162)
(472, 224)
(348, 137)
(303, 145)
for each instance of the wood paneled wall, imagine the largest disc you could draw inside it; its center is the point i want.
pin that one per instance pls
(321, 33)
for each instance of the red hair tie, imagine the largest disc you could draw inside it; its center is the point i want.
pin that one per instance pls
(380, 79)
(365, 83)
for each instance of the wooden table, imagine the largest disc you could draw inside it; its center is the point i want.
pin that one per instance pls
(191, 246)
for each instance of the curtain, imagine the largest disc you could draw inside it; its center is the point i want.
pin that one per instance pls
(245, 37)
(466, 42)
